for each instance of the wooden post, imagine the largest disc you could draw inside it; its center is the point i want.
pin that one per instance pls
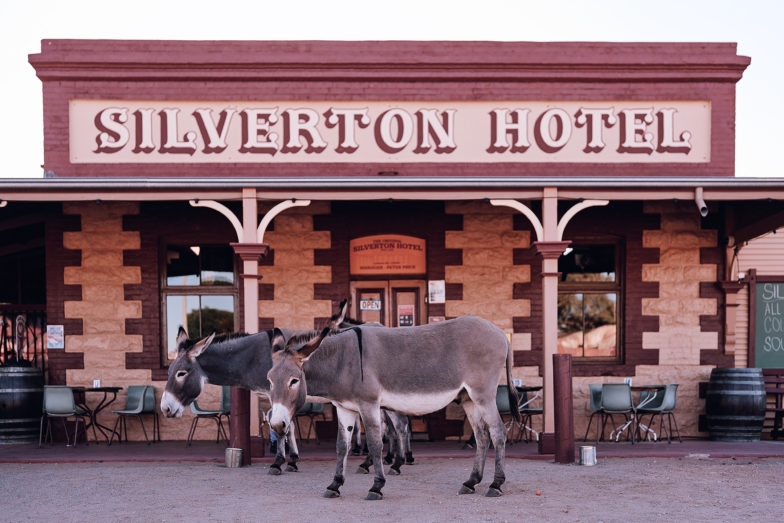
(564, 412)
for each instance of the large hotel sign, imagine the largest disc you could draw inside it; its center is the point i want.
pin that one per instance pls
(122, 131)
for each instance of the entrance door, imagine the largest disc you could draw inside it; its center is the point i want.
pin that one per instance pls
(394, 303)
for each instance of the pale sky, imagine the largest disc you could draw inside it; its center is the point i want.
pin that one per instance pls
(756, 25)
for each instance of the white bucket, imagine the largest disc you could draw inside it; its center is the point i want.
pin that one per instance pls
(233, 458)
(588, 455)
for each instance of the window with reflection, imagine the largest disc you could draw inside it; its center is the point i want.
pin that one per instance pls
(588, 308)
(199, 292)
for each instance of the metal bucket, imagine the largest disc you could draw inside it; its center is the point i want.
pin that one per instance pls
(588, 455)
(233, 458)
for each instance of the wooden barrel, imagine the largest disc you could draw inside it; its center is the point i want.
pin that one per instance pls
(21, 399)
(735, 404)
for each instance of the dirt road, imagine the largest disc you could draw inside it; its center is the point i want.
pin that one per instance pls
(692, 489)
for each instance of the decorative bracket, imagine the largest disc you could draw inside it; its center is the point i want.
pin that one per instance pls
(279, 208)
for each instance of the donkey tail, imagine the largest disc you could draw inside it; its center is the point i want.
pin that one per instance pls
(514, 399)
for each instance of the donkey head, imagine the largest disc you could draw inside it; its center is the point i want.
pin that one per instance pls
(288, 388)
(186, 377)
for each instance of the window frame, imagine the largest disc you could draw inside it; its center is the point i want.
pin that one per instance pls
(166, 290)
(603, 287)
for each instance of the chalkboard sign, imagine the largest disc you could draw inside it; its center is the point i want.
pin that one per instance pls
(768, 320)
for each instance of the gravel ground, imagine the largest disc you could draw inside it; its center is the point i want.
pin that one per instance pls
(614, 490)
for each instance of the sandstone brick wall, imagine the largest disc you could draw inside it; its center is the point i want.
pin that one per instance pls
(488, 273)
(294, 273)
(103, 309)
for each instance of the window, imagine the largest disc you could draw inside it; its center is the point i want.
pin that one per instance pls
(588, 308)
(199, 292)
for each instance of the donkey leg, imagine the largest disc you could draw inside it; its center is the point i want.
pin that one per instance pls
(364, 467)
(498, 435)
(398, 424)
(293, 450)
(371, 417)
(407, 440)
(280, 456)
(482, 437)
(346, 426)
(389, 436)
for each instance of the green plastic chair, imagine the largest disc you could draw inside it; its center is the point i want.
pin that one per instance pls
(225, 408)
(140, 400)
(505, 409)
(59, 403)
(527, 413)
(199, 413)
(617, 399)
(595, 404)
(664, 407)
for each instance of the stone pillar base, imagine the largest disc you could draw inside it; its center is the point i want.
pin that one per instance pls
(547, 443)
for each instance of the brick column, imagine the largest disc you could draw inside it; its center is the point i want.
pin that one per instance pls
(243, 417)
(549, 251)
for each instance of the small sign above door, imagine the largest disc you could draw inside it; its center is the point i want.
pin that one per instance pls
(370, 305)
(387, 254)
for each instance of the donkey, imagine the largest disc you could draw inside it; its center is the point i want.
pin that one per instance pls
(414, 370)
(240, 360)
(397, 426)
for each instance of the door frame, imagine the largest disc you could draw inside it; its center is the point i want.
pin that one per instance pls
(389, 312)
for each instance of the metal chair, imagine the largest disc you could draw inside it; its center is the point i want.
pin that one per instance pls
(59, 403)
(664, 407)
(310, 411)
(199, 413)
(139, 401)
(617, 399)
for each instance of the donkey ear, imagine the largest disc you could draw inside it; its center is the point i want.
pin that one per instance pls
(340, 317)
(278, 341)
(182, 336)
(200, 346)
(310, 347)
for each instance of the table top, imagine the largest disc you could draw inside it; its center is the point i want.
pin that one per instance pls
(97, 389)
(649, 387)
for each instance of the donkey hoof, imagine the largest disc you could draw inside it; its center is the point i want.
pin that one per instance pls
(362, 470)
(394, 472)
(465, 489)
(331, 494)
(493, 492)
(387, 460)
(374, 496)
(291, 468)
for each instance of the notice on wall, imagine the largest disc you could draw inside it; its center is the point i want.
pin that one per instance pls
(436, 291)
(55, 337)
(769, 325)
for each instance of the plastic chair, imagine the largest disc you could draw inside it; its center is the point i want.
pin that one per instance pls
(199, 413)
(310, 411)
(225, 406)
(59, 403)
(139, 401)
(595, 404)
(617, 399)
(505, 409)
(664, 407)
(527, 413)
